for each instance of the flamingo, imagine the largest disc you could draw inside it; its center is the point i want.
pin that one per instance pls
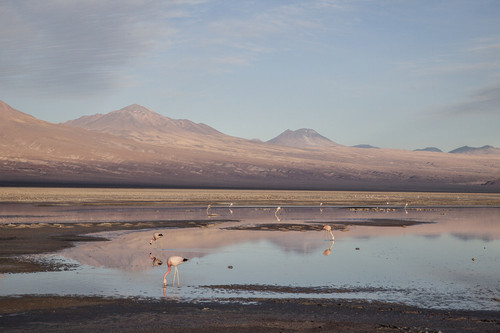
(173, 261)
(208, 211)
(329, 229)
(156, 235)
(276, 213)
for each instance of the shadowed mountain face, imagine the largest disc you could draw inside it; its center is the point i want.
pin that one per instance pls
(484, 150)
(366, 146)
(302, 138)
(432, 149)
(138, 147)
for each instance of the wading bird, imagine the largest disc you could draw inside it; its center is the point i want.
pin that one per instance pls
(329, 229)
(156, 235)
(276, 213)
(173, 261)
(208, 211)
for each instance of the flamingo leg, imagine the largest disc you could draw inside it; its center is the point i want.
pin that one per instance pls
(176, 273)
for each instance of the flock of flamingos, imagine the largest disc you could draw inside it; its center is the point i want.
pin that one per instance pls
(177, 260)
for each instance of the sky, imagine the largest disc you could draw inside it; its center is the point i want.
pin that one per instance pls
(390, 73)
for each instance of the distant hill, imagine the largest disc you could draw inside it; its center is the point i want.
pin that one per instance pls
(431, 149)
(302, 138)
(484, 150)
(365, 146)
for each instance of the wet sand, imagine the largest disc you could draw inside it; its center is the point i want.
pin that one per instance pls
(56, 313)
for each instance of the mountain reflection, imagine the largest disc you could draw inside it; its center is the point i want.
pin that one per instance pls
(127, 250)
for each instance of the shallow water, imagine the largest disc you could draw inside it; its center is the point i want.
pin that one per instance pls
(451, 260)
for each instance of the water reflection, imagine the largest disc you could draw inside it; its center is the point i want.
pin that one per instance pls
(328, 251)
(156, 261)
(428, 264)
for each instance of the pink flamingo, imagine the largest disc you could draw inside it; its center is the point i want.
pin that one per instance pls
(173, 261)
(156, 235)
(329, 229)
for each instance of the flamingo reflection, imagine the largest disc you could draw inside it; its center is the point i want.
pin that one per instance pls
(175, 293)
(329, 250)
(173, 261)
(156, 235)
(156, 261)
(329, 229)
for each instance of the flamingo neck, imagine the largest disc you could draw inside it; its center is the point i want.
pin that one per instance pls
(168, 272)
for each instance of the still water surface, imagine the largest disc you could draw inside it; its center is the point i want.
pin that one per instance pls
(451, 260)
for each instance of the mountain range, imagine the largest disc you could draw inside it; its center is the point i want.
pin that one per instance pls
(136, 146)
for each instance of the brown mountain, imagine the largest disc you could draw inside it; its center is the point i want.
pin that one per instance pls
(33, 151)
(143, 124)
(302, 138)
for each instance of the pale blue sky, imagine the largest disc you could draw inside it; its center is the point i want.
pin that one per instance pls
(393, 73)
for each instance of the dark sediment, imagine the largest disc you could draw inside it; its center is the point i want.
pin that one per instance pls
(84, 314)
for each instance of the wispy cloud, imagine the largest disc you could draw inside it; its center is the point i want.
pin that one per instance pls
(74, 46)
(71, 47)
(478, 55)
(485, 101)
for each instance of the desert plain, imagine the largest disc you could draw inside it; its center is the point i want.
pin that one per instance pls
(24, 234)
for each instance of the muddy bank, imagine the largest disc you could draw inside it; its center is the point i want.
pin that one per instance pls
(84, 314)
(335, 225)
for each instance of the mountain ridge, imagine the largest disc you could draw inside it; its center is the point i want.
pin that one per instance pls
(141, 123)
(484, 150)
(34, 151)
